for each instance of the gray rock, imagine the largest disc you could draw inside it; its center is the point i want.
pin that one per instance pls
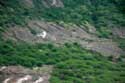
(19, 74)
(59, 35)
(120, 32)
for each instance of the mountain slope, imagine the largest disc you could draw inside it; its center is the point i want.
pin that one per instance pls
(83, 40)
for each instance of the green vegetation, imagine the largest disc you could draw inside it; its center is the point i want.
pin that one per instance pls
(11, 12)
(98, 12)
(72, 63)
(104, 32)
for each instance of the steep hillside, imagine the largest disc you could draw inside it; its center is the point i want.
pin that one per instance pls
(77, 41)
(100, 13)
(40, 32)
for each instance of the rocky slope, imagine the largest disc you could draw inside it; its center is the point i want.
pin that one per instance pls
(46, 3)
(91, 24)
(18, 74)
(41, 32)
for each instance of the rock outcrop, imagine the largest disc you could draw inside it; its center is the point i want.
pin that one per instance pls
(41, 32)
(19, 74)
(120, 32)
(52, 3)
(27, 3)
(45, 3)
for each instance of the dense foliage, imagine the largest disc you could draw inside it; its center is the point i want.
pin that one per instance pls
(72, 63)
(98, 12)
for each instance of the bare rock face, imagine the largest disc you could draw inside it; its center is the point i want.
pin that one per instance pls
(18, 33)
(23, 34)
(105, 47)
(41, 32)
(57, 33)
(19, 74)
(120, 32)
(52, 3)
(27, 3)
(46, 3)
